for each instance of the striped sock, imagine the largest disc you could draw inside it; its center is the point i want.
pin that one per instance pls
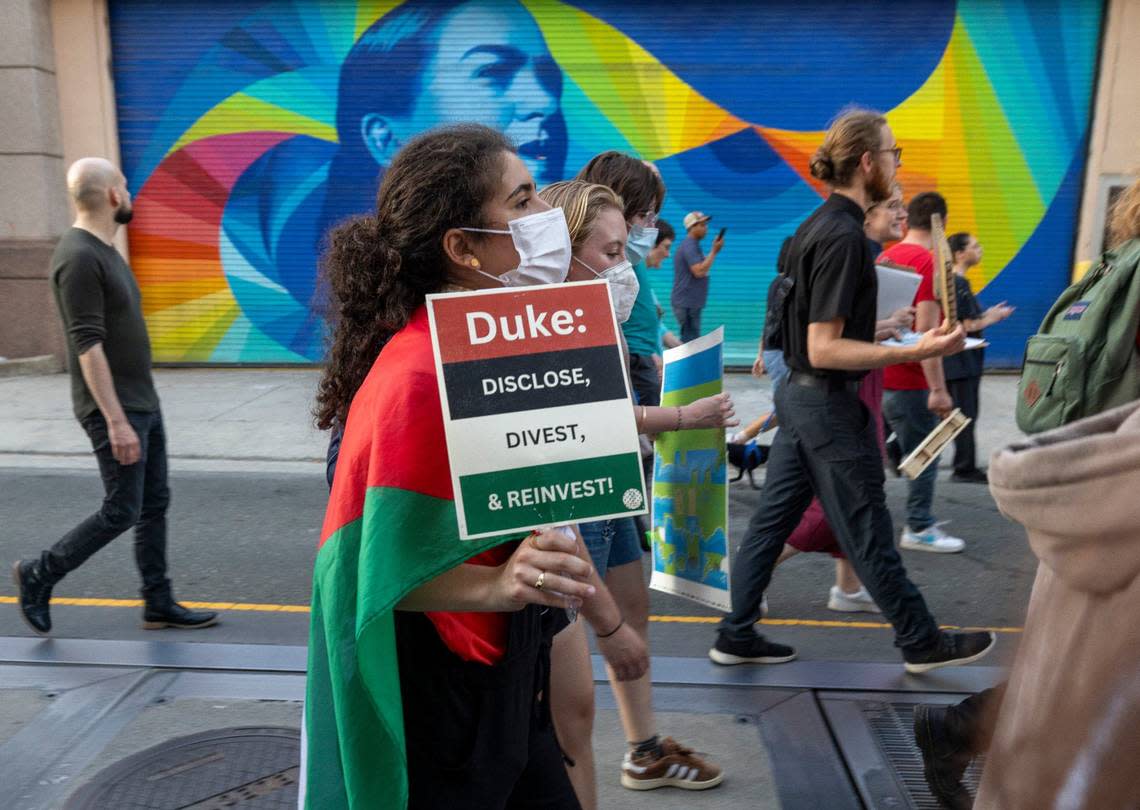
(652, 745)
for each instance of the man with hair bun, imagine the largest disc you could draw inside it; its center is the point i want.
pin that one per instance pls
(828, 444)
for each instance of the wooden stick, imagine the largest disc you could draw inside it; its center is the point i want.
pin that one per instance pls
(933, 445)
(944, 289)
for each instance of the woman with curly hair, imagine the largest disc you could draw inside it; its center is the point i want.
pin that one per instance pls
(429, 655)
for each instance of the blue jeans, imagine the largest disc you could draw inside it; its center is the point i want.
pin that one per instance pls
(909, 418)
(689, 320)
(776, 370)
(611, 543)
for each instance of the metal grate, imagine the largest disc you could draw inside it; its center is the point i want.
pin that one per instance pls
(892, 724)
(254, 768)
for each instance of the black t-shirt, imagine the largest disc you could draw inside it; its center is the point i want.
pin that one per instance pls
(99, 301)
(965, 364)
(833, 276)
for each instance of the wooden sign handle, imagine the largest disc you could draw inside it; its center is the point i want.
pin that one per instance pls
(944, 289)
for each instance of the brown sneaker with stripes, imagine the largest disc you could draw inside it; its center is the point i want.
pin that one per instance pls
(677, 766)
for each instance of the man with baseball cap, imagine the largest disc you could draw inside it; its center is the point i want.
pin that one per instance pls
(691, 275)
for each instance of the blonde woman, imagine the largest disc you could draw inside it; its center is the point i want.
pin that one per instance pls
(597, 221)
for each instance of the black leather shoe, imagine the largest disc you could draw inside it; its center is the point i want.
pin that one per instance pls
(944, 759)
(974, 476)
(162, 611)
(35, 596)
(952, 648)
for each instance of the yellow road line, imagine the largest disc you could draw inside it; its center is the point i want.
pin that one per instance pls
(253, 607)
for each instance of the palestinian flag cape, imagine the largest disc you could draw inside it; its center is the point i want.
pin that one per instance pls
(390, 527)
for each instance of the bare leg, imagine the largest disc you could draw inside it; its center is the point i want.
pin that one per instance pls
(845, 578)
(572, 707)
(788, 552)
(634, 698)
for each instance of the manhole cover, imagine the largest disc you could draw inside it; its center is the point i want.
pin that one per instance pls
(254, 768)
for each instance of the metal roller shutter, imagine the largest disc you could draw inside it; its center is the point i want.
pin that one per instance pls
(241, 128)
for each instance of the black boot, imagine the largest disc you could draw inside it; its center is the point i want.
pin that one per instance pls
(35, 595)
(162, 611)
(946, 753)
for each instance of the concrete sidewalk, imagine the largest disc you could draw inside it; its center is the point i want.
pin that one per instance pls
(237, 419)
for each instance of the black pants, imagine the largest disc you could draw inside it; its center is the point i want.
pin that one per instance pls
(965, 393)
(477, 735)
(827, 446)
(135, 495)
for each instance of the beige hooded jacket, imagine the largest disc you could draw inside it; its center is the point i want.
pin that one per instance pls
(1068, 733)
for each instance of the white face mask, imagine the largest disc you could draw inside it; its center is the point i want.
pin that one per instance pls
(543, 243)
(624, 286)
(641, 241)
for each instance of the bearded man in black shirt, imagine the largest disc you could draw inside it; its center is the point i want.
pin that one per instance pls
(108, 353)
(827, 444)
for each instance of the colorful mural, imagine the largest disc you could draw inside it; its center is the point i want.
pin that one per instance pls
(247, 131)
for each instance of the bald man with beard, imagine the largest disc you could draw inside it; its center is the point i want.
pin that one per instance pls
(114, 399)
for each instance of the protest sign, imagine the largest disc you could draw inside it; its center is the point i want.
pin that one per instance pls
(536, 405)
(690, 489)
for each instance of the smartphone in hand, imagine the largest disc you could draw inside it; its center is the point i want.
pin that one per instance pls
(720, 236)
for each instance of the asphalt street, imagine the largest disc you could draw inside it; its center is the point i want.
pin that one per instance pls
(249, 539)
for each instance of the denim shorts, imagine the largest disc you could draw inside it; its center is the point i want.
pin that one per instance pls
(611, 543)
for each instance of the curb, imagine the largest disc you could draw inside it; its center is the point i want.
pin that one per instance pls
(30, 366)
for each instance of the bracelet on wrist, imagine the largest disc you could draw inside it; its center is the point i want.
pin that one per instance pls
(618, 627)
(678, 418)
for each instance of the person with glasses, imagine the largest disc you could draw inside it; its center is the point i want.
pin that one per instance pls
(652, 760)
(884, 223)
(827, 445)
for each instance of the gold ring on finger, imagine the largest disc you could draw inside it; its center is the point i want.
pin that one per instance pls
(541, 580)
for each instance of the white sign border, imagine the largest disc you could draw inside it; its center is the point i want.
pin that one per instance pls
(456, 489)
(670, 583)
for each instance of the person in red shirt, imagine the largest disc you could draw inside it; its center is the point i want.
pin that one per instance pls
(915, 396)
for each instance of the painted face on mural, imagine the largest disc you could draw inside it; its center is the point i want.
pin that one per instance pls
(491, 66)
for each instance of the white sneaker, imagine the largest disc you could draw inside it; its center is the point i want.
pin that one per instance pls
(931, 539)
(858, 602)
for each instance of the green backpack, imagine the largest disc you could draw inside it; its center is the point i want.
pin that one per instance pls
(1083, 359)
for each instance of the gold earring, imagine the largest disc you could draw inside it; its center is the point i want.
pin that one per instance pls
(475, 264)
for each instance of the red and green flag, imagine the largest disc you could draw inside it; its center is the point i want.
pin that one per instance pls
(390, 527)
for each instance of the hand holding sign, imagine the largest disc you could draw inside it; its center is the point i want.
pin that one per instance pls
(716, 411)
(540, 556)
